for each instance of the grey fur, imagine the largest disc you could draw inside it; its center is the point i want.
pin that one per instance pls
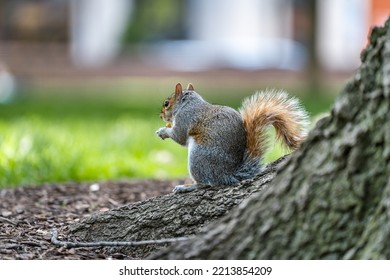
(221, 158)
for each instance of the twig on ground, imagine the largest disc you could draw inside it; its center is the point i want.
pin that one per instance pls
(5, 220)
(10, 246)
(68, 244)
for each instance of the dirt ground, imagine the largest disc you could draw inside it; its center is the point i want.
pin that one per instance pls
(27, 215)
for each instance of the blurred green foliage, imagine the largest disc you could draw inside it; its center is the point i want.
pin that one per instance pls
(156, 20)
(55, 134)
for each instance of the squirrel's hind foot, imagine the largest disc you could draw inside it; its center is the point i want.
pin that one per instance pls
(187, 188)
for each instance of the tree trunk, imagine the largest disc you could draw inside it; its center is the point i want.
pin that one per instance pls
(173, 215)
(329, 200)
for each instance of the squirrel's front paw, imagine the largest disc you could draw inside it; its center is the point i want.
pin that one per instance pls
(162, 133)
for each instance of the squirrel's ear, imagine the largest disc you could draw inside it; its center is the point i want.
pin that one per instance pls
(190, 87)
(178, 90)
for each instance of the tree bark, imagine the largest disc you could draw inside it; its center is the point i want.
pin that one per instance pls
(172, 215)
(331, 200)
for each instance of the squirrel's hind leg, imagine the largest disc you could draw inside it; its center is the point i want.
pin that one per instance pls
(187, 188)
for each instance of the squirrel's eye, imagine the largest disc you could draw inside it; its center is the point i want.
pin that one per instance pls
(166, 103)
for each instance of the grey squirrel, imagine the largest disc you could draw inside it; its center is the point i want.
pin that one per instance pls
(226, 146)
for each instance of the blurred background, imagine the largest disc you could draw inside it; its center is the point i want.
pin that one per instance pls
(82, 81)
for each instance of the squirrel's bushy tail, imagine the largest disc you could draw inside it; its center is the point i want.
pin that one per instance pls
(275, 108)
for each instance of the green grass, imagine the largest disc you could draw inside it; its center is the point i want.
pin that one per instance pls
(47, 137)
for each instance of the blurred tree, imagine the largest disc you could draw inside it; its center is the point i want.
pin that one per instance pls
(313, 65)
(305, 27)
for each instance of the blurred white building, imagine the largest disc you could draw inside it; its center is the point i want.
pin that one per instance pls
(246, 34)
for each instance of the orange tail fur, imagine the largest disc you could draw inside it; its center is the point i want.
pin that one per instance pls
(273, 108)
